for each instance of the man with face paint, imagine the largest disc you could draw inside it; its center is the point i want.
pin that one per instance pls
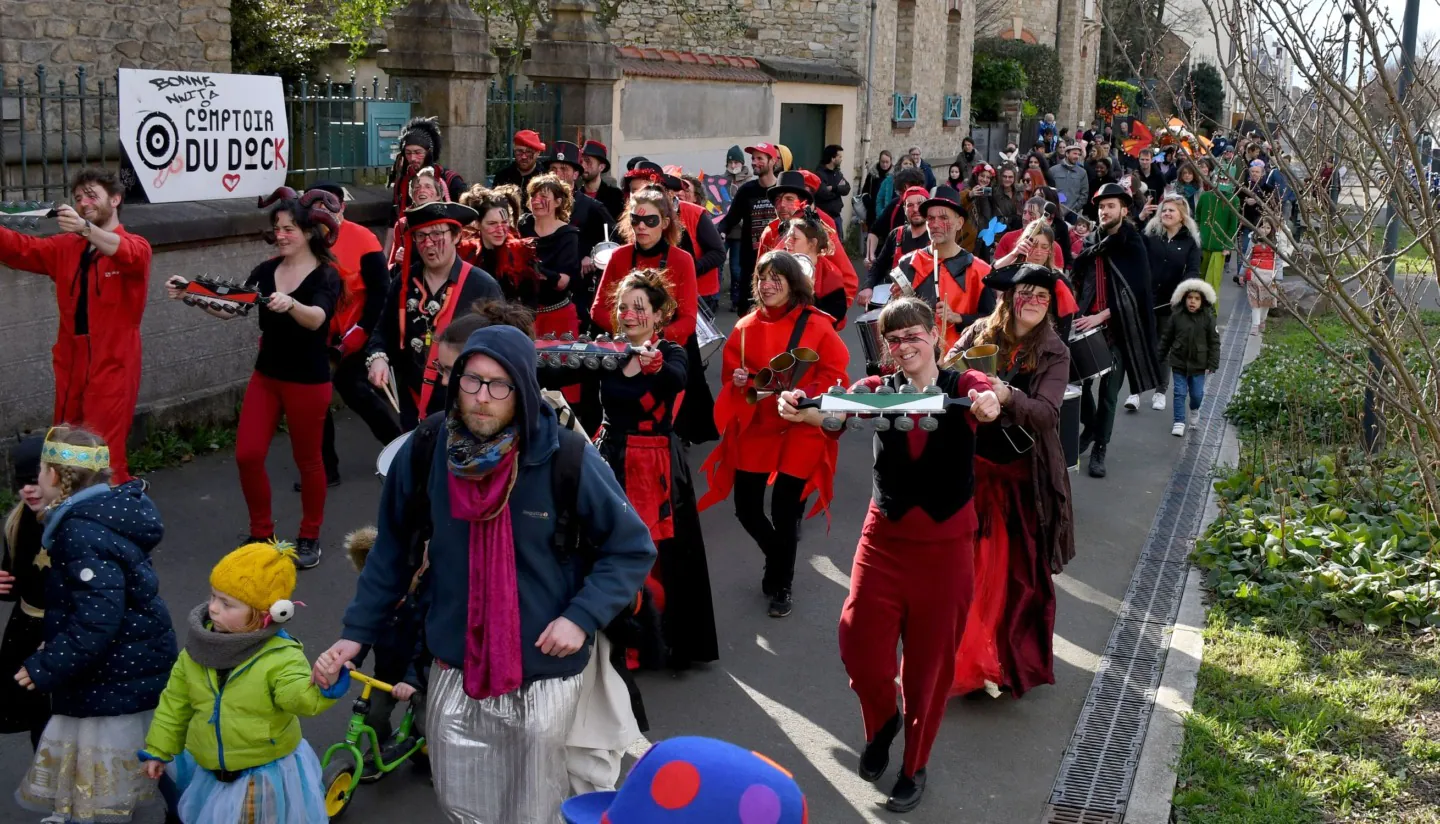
(101, 274)
(958, 294)
(1112, 275)
(910, 237)
(419, 149)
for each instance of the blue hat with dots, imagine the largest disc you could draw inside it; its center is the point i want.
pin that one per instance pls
(694, 780)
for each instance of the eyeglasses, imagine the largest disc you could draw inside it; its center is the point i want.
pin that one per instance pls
(644, 220)
(499, 390)
(1038, 298)
(897, 342)
(430, 238)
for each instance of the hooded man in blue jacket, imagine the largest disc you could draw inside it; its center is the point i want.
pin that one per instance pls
(510, 619)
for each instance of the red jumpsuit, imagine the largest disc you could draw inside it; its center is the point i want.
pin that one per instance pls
(678, 265)
(96, 356)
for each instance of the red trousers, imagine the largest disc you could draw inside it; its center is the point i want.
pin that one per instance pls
(913, 591)
(557, 322)
(98, 396)
(304, 406)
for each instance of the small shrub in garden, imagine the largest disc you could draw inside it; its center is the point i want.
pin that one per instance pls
(1323, 538)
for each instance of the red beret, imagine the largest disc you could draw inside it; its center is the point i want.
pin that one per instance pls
(529, 140)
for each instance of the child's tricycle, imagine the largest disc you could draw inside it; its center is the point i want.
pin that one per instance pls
(344, 765)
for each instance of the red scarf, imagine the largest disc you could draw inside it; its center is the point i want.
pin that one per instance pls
(492, 642)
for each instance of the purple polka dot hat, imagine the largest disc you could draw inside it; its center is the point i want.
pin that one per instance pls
(694, 780)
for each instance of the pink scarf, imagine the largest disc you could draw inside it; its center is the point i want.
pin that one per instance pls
(492, 643)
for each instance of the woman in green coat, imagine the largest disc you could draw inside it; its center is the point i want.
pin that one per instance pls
(1218, 216)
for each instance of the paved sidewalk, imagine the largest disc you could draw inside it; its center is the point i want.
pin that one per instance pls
(779, 687)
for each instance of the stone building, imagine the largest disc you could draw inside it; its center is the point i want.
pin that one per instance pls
(1072, 28)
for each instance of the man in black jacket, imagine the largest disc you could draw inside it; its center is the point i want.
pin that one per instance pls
(527, 148)
(1112, 274)
(751, 208)
(595, 160)
(830, 197)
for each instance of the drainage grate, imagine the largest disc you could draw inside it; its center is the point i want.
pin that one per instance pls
(1095, 777)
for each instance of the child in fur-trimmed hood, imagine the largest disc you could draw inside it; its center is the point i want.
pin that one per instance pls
(1191, 344)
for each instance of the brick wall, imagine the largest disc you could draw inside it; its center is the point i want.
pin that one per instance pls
(105, 36)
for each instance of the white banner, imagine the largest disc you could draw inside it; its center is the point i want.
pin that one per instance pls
(204, 136)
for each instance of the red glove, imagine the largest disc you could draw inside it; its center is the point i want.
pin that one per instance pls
(353, 341)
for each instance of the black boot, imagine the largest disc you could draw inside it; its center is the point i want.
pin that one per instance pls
(1097, 461)
(907, 793)
(876, 755)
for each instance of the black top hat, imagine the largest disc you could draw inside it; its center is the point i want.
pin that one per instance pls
(1110, 190)
(434, 212)
(790, 183)
(594, 148)
(566, 152)
(635, 161)
(944, 196)
(1011, 276)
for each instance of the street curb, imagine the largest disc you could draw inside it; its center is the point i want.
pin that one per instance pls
(1155, 777)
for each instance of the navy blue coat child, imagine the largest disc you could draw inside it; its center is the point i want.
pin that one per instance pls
(109, 643)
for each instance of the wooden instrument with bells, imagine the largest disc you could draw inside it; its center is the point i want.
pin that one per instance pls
(224, 295)
(23, 215)
(600, 352)
(852, 409)
(783, 374)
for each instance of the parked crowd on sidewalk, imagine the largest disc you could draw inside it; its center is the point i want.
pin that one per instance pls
(538, 538)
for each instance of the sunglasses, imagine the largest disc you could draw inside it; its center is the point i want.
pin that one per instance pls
(644, 220)
(1022, 298)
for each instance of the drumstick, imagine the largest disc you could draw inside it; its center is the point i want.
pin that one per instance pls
(389, 389)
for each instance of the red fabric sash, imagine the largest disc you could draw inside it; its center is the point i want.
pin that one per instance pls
(442, 320)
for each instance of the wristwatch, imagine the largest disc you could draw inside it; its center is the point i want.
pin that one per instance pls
(85, 232)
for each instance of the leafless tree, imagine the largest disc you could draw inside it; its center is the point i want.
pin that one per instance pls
(1380, 138)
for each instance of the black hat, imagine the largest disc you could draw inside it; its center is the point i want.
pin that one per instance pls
(790, 183)
(635, 161)
(944, 196)
(567, 152)
(594, 148)
(1011, 276)
(437, 211)
(25, 460)
(423, 132)
(1110, 190)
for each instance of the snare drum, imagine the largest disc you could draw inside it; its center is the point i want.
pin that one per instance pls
(879, 296)
(1070, 427)
(1089, 355)
(707, 335)
(867, 326)
(387, 455)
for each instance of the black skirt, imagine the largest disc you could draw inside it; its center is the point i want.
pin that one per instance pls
(21, 710)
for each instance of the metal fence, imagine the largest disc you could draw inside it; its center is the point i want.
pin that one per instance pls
(50, 127)
(509, 109)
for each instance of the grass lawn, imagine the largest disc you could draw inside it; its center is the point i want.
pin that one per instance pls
(1414, 260)
(1318, 725)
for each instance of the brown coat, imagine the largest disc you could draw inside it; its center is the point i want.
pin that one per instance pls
(1039, 412)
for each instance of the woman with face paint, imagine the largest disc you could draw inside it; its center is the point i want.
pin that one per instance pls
(1022, 488)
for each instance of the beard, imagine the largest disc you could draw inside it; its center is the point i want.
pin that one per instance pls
(588, 177)
(485, 427)
(103, 213)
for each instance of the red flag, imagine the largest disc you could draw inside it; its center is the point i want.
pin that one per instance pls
(1140, 137)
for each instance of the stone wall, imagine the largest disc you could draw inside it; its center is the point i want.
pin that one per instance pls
(829, 30)
(102, 37)
(926, 44)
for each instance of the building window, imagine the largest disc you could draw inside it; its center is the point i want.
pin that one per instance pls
(954, 110)
(906, 105)
(904, 46)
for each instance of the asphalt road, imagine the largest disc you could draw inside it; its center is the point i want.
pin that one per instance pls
(779, 687)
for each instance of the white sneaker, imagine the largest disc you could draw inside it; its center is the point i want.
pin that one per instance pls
(1178, 430)
(1157, 401)
(1132, 403)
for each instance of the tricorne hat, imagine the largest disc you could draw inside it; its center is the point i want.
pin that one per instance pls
(453, 214)
(1062, 299)
(696, 781)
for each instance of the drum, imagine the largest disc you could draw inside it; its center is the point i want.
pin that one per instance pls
(707, 334)
(387, 455)
(1089, 355)
(1070, 427)
(867, 326)
(879, 296)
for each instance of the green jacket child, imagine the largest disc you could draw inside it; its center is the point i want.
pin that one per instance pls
(235, 695)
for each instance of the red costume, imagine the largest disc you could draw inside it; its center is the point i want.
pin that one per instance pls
(352, 244)
(912, 579)
(96, 356)
(967, 298)
(754, 438)
(770, 240)
(708, 282)
(681, 270)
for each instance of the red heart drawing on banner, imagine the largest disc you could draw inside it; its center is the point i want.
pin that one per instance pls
(230, 182)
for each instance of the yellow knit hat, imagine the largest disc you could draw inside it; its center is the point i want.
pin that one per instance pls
(258, 575)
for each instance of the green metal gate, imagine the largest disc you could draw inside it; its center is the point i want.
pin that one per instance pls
(509, 109)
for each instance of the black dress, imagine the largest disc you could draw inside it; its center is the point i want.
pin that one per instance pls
(638, 420)
(23, 710)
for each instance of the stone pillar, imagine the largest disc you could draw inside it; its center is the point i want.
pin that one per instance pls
(440, 49)
(1012, 107)
(573, 55)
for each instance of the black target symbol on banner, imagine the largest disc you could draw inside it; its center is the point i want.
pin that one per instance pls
(158, 140)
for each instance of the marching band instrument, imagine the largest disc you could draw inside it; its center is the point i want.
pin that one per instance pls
(602, 252)
(1070, 427)
(387, 455)
(879, 296)
(601, 352)
(707, 335)
(1089, 355)
(847, 409)
(223, 295)
(783, 374)
(867, 326)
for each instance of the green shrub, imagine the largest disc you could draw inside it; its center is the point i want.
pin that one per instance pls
(1041, 64)
(1106, 91)
(993, 78)
(1322, 538)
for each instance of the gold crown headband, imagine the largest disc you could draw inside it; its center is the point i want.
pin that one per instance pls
(93, 458)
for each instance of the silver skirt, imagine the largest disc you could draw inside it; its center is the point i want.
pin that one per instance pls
(501, 760)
